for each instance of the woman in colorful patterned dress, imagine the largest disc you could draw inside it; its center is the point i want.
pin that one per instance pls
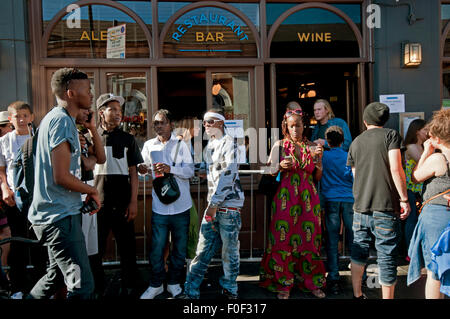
(292, 256)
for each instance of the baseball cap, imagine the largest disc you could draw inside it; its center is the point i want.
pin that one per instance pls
(108, 97)
(4, 117)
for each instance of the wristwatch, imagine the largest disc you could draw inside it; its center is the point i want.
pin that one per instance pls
(212, 206)
(403, 201)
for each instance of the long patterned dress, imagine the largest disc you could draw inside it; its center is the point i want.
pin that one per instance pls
(295, 235)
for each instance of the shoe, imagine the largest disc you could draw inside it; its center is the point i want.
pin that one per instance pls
(152, 292)
(319, 293)
(182, 296)
(333, 287)
(17, 295)
(228, 295)
(174, 290)
(283, 295)
(363, 296)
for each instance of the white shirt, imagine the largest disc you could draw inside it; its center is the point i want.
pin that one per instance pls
(10, 144)
(182, 171)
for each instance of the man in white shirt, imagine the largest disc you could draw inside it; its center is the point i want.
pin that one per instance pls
(160, 153)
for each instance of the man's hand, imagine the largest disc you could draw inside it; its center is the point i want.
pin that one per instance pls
(210, 216)
(8, 197)
(161, 168)
(142, 169)
(96, 198)
(405, 209)
(90, 125)
(131, 212)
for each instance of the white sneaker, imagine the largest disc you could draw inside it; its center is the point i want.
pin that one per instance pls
(174, 290)
(17, 295)
(152, 292)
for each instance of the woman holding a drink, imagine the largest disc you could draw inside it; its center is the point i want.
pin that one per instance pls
(292, 257)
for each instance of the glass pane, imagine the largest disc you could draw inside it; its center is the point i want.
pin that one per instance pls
(89, 39)
(274, 10)
(51, 7)
(446, 81)
(132, 87)
(209, 32)
(445, 15)
(232, 92)
(314, 33)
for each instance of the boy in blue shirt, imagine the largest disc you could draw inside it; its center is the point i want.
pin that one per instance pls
(336, 189)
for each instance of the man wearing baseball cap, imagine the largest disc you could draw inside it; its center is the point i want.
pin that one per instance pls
(381, 200)
(119, 204)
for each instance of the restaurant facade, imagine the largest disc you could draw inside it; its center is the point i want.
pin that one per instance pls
(250, 57)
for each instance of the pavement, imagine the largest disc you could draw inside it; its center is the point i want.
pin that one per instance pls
(248, 284)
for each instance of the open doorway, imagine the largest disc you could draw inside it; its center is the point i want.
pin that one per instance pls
(305, 83)
(182, 92)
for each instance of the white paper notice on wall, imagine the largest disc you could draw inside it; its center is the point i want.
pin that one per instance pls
(396, 102)
(116, 42)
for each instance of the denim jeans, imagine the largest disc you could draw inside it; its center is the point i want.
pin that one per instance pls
(178, 226)
(411, 221)
(68, 260)
(226, 235)
(385, 227)
(333, 211)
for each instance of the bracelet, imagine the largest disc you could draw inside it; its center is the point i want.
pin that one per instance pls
(403, 201)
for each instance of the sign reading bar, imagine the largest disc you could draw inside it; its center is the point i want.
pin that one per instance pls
(116, 42)
(209, 19)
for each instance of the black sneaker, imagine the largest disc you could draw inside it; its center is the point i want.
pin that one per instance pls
(228, 295)
(334, 287)
(363, 296)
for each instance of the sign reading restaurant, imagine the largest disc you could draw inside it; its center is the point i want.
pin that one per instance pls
(209, 19)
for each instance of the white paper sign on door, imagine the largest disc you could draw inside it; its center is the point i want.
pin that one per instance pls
(396, 102)
(116, 42)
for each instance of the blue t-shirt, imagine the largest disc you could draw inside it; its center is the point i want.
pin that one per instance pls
(337, 178)
(53, 202)
(319, 132)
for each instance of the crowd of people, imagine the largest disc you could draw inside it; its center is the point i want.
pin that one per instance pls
(377, 187)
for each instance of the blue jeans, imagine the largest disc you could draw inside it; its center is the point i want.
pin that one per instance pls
(226, 235)
(411, 221)
(333, 211)
(178, 225)
(385, 227)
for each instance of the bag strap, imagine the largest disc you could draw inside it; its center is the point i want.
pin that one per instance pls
(176, 153)
(431, 198)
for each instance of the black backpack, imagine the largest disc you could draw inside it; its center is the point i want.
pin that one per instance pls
(23, 173)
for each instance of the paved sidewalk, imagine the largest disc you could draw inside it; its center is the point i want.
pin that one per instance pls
(249, 289)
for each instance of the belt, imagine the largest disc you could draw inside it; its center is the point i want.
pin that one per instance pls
(225, 209)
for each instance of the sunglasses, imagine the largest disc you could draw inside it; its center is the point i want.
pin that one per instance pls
(210, 122)
(292, 112)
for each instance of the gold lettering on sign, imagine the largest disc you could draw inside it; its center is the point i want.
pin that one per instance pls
(200, 37)
(103, 36)
(314, 37)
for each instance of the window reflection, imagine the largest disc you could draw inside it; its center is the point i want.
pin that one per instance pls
(88, 40)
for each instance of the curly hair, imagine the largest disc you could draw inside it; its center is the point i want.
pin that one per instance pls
(439, 125)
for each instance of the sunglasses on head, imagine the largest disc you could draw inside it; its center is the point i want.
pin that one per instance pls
(210, 122)
(292, 112)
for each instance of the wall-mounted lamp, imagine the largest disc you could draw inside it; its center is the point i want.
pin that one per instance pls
(411, 54)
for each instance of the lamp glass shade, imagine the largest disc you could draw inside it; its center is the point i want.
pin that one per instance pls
(412, 54)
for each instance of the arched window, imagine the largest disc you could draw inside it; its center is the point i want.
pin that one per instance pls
(83, 33)
(314, 32)
(209, 31)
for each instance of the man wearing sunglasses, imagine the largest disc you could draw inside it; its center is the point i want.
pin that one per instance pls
(161, 153)
(222, 221)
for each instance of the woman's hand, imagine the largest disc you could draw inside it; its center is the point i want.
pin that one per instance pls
(428, 148)
(286, 164)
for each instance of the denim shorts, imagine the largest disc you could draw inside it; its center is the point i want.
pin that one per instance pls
(385, 227)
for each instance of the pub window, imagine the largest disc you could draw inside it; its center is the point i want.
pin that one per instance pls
(314, 33)
(446, 82)
(209, 32)
(445, 18)
(88, 39)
